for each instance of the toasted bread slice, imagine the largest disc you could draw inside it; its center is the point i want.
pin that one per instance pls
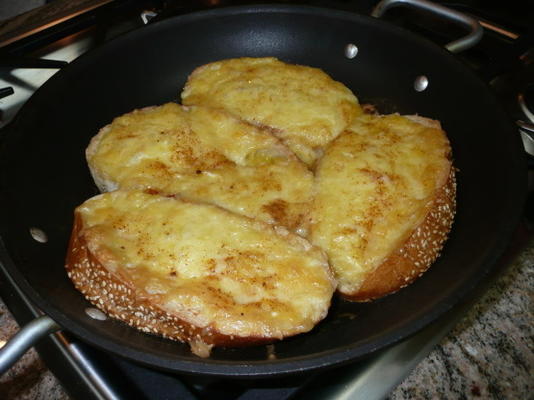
(195, 272)
(301, 105)
(385, 203)
(204, 155)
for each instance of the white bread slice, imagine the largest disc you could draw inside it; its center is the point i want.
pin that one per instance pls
(195, 272)
(204, 155)
(384, 204)
(301, 105)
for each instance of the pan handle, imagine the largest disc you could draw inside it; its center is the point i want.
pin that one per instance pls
(527, 135)
(24, 339)
(464, 43)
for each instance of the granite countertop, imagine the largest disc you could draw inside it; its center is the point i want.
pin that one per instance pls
(489, 354)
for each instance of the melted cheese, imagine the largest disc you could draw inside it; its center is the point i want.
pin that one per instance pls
(302, 105)
(204, 155)
(373, 187)
(208, 266)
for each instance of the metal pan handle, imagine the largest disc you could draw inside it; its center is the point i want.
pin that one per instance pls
(24, 339)
(526, 129)
(464, 43)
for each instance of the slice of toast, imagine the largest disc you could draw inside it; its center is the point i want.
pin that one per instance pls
(205, 155)
(195, 272)
(385, 202)
(301, 105)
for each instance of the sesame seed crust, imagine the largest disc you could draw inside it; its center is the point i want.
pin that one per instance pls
(157, 264)
(417, 253)
(117, 296)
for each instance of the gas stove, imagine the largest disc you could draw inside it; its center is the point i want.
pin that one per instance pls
(504, 58)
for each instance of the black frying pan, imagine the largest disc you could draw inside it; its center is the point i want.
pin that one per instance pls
(44, 175)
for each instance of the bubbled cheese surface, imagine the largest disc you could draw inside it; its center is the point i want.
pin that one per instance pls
(208, 266)
(373, 188)
(302, 105)
(204, 155)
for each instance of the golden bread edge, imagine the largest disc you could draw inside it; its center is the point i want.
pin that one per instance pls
(417, 253)
(118, 298)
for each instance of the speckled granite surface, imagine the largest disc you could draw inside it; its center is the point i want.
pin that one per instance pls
(29, 378)
(489, 355)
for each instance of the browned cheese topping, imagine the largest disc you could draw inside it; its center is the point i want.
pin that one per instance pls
(374, 186)
(301, 105)
(209, 267)
(204, 155)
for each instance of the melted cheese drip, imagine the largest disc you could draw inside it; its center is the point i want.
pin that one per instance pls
(208, 266)
(373, 187)
(303, 105)
(204, 155)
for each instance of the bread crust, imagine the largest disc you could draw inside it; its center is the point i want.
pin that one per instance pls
(117, 296)
(417, 253)
(102, 183)
(139, 299)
